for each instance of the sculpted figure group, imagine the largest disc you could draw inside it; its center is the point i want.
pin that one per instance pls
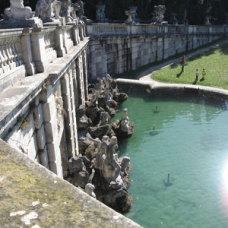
(46, 10)
(99, 170)
(17, 10)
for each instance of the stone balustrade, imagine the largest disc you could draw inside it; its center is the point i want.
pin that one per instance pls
(11, 55)
(150, 29)
(24, 52)
(50, 45)
(118, 48)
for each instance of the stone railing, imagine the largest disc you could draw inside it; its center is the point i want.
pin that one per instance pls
(68, 38)
(10, 51)
(107, 29)
(50, 45)
(29, 51)
(150, 29)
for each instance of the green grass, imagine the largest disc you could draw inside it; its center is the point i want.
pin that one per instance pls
(214, 61)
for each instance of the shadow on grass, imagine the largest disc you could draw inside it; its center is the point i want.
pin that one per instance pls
(206, 53)
(195, 82)
(224, 49)
(174, 65)
(134, 74)
(179, 74)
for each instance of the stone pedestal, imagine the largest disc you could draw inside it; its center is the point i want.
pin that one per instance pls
(27, 52)
(21, 23)
(38, 47)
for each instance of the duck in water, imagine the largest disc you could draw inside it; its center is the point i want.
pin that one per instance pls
(156, 110)
(153, 132)
(167, 183)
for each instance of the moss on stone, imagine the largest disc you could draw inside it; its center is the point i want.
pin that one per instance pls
(26, 186)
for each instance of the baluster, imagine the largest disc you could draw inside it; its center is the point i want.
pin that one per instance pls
(19, 56)
(6, 60)
(8, 51)
(10, 54)
(1, 61)
(19, 53)
(14, 52)
(14, 49)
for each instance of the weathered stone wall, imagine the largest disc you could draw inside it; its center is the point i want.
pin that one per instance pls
(118, 49)
(38, 113)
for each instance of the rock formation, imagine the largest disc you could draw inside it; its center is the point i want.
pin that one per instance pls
(98, 170)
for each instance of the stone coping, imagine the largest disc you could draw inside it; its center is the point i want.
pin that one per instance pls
(155, 86)
(32, 196)
(15, 99)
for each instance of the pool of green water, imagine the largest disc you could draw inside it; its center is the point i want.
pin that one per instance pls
(188, 139)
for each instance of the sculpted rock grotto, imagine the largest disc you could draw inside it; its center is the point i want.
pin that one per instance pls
(97, 169)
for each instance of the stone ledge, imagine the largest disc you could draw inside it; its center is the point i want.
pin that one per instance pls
(31, 195)
(16, 98)
(156, 86)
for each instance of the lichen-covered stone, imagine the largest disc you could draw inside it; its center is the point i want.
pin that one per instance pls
(33, 196)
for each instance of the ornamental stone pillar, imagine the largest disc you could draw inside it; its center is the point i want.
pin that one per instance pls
(51, 131)
(38, 50)
(27, 52)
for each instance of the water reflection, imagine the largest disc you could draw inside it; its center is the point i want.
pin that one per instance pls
(184, 139)
(224, 187)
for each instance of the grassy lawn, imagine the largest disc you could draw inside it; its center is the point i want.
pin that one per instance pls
(214, 61)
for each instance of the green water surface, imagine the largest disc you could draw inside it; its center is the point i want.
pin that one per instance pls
(187, 139)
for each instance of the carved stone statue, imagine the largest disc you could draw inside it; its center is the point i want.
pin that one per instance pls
(111, 168)
(158, 14)
(66, 10)
(133, 9)
(173, 19)
(123, 127)
(131, 14)
(98, 143)
(89, 189)
(124, 122)
(78, 171)
(208, 15)
(207, 20)
(125, 163)
(44, 10)
(80, 8)
(56, 6)
(104, 118)
(82, 120)
(17, 11)
(100, 13)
